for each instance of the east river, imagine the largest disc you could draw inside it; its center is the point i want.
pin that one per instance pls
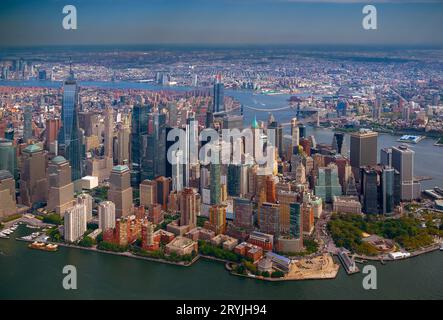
(28, 274)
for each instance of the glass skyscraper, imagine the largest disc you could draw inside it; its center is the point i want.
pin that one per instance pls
(139, 123)
(218, 95)
(69, 135)
(8, 157)
(295, 220)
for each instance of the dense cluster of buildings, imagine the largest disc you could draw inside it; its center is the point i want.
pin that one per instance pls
(248, 207)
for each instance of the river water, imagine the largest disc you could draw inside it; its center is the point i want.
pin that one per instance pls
(28, 274)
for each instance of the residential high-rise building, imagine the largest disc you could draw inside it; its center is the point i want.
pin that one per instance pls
(74, 223)
(403, 162)
(269, 218)
(106, 215)
(163, 187)
(87, 201)
(8, 204)
(217, 218)
(285, 199)
(120, 190)
(363, 151)
(61, 188)
(243, 214)
(188, 207)
(148, 193)
(215, 183)
(33, 178)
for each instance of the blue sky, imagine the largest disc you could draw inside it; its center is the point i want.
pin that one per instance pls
(39, 22)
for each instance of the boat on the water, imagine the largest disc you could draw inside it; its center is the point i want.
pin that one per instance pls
(43, 246)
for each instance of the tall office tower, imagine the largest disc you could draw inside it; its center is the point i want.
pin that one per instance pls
(188, 207)
(163, 187)
(87, 201)
(139, 126)
(123, 143)
(215, 183)
(109, 132)
(177, 172)
(106, 215)
(218, 95)
(243, 214)
(148, 239)
(387, 184)
(403, 162)
(369, 190)
(269, 218)
(338, 142)
(191, 147)
(33, 179)
(27, 123)
(159, 122)
(278, 133)
(74, 223)
(295, 136)
(148, 193)
(234, 180)
(271, 195)
(61, 188)
(285, 199)
(295, 220)
(257, 139)
(120, 190)
(8, 157)
(217, 218)
(386, 157)
(69, 139)
(51, 131)
(363, 150)
(8, 204)
(328, 184)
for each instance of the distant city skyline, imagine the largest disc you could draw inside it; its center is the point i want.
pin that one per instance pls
(223, 22)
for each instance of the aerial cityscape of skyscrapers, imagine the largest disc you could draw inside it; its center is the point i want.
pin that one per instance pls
(284, 163)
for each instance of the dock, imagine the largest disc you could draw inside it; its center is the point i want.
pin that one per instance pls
(347, 262)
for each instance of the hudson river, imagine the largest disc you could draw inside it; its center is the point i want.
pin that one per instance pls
(32, 274)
